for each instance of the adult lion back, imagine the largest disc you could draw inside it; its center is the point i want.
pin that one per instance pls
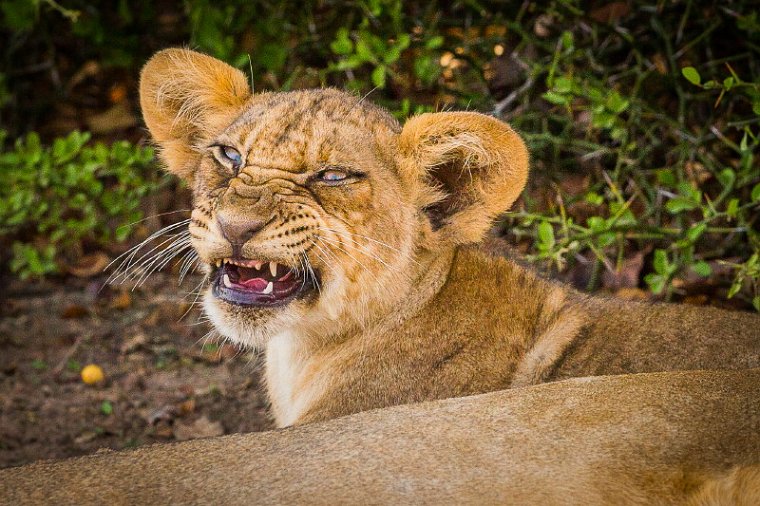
(662, 438)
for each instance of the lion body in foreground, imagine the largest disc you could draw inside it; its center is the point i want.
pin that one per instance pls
(644, 439)
(377, 220)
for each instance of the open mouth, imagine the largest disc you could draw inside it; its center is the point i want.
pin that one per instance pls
(257, 283)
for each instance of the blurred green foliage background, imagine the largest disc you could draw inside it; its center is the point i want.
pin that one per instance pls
(642, 117)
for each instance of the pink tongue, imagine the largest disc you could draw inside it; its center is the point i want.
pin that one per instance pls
(256, 284)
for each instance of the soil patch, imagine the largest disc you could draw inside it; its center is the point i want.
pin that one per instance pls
(166, 379)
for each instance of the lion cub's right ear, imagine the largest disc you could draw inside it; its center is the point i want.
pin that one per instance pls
(186, 97)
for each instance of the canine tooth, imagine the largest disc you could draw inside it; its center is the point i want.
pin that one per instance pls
(227, 281)
(258, 265)
(273, 269)
(269, 289)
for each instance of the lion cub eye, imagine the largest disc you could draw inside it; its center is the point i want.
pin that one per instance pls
(228, 156)
(332, 176)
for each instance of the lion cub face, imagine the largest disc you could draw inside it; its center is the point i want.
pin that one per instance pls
(299, 209)
(314, 209)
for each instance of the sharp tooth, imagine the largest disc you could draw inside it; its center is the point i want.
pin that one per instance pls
(218, 263)
(227, 281)
(269, 289)
(258, 265)
(273, 269)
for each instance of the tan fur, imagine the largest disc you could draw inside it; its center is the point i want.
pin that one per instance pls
(407, 310)
(647, 439)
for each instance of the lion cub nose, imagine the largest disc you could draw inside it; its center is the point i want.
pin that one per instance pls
(238, 229)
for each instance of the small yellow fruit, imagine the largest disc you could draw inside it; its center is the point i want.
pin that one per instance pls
(92, 374)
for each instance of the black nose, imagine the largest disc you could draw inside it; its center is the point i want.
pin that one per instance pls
(238, 229)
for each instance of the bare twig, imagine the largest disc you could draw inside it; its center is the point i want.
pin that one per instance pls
(505, 102)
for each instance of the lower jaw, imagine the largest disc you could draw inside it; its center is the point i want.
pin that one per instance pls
(253, 299)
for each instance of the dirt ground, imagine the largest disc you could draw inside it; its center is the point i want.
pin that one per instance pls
(164, 381)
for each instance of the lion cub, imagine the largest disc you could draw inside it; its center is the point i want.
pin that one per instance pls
(338, 241)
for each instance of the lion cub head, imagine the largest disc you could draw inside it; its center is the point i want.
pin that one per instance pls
(315, 209)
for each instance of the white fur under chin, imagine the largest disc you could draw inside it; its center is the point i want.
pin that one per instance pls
(249, 334)
(285, 360)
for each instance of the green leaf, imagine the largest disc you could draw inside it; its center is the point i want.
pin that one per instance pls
(666, 177)
(427, 70)
(546, 235)
(342, 44)
(19, 15)
(756, 193)
(73, 365)
(363, 50)
(679, 204)
(567, 40)
(616, 103)
(660, 262)
(273, 56)
(106, 408)
(696, 231)
(743, 143)
(603, 120)
(656, 282)
(728, 83)
(732, 208)
(39, 364)
(378, 76)
(351, 62)
(605, 239)
(596, 223)
(556, 98)
(394, 53)
(691, 74)
(594, 198)
(563, 85)
(702, 268)
(726, 177)
(434, 42)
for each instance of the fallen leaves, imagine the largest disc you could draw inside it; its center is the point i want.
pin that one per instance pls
(117, 118)
(202, 427)
(122, 300)
(610, 13)
(89, 265)
(133, 343)
(74, 311)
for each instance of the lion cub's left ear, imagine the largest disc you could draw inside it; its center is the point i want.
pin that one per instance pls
(470, 168)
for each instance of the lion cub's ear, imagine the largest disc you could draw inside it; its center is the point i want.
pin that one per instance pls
(472, 167)
(186, 97)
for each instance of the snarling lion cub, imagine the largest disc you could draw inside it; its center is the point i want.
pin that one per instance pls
(339, 242)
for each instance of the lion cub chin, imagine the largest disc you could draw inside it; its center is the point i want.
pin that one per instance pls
(340, 242)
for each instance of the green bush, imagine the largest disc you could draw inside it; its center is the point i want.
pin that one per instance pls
(643, 118)
(54, 200)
